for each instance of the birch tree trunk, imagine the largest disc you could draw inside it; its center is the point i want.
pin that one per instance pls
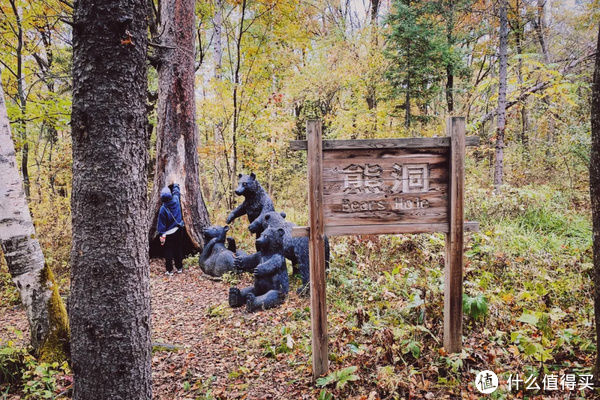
(502, 77)
(110, 285)
(595, 199)
(46, 313)
(177, 136)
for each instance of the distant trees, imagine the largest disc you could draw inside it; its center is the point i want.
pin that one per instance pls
(46, 313)
(595, 198)
(177, 133)
(422, 53)
(110, 283)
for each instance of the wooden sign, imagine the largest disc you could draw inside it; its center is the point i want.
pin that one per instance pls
(381, 186)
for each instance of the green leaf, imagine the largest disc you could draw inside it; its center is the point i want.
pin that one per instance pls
(528, 318)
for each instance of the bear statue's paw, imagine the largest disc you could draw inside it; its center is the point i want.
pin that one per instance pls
(251, 303)
(235, 297)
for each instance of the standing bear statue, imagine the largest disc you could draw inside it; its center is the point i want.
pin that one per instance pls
(271, 283)
(256, 199)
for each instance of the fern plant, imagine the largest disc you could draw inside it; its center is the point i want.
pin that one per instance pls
(340, 377)
(475, 307)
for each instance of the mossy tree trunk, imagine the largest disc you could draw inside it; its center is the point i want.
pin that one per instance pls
(177, 135)
(46, 313)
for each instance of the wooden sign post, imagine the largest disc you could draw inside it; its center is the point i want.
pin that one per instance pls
(385, 186)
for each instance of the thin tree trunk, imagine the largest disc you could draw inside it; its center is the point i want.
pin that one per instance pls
(539, 24)
(110, 284)
(46, 313)
(177, 135)
(371, 97)
(502, 78)
(218, 63)
(519, 37)
(236, 111)
(449, 66)
(407, 105)
(22, 99)
(595, 199)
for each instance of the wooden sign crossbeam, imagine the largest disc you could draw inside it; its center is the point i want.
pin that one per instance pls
(385, 186)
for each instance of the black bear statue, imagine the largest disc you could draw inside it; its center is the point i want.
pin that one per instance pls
(295, 249)
(256, 199)
(216, 259)
(271, 283)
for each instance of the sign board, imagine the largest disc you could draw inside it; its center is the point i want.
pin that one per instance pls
(381, 186)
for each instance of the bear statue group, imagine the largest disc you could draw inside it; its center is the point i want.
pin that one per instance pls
(274, 244)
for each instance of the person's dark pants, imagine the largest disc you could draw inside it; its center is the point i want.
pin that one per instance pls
(174, 250)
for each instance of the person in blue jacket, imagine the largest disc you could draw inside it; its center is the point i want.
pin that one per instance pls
(170, 228)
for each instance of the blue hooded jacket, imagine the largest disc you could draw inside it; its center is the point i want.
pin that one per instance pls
(169, 215)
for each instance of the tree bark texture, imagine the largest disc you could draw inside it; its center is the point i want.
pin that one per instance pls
(502, 84)
(46, 313)
(110, 291)
(177, 137)
(595, 199)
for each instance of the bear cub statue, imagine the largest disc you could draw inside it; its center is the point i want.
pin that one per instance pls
(295, 249)
(271, 284)
(256, 199)
(216, 259)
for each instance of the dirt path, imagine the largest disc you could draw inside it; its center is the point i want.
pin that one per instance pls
(204, 349)
(220, 354)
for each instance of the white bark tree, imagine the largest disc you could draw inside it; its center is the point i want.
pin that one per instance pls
(46, 313)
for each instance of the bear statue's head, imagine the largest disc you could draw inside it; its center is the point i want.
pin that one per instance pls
(215, 232)
(272, 218)
(271, 240)
(247, 185)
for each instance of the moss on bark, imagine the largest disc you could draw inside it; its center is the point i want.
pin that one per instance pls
(55, 346)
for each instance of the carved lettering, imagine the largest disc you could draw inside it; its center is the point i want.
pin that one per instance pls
(407, 204)
(361, 206)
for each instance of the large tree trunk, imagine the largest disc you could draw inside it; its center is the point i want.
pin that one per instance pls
(110, 290)
(502, 77)
(46, 313)
(595, 199)
(177, 137)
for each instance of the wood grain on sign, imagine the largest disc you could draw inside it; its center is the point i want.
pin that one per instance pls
(386, 186)
(469, 226)
(405, 143)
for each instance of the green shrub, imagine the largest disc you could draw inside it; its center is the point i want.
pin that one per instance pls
(21, 371)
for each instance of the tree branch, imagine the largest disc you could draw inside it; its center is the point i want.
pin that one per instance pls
(536, 88)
